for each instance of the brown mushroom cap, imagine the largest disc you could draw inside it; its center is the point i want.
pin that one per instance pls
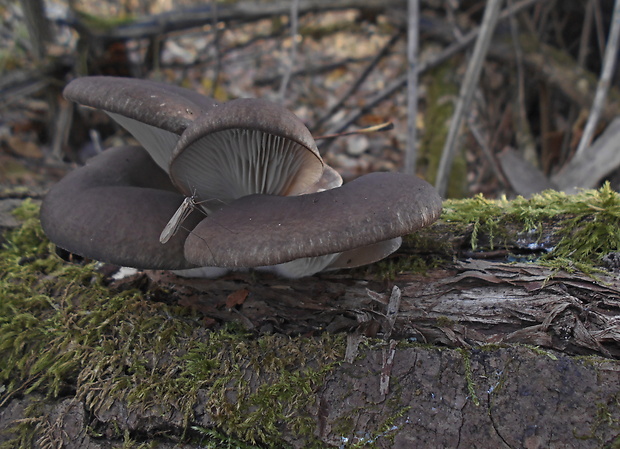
(155, 113)
(243, 147)
(262, 230)
(114, 209)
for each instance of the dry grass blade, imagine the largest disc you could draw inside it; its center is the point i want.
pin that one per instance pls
(609, 63)
(472, 75)
(412, 85)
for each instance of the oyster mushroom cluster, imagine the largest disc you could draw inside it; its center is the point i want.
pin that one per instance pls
(262, 196)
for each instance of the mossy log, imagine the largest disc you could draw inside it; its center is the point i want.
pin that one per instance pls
(450, 343)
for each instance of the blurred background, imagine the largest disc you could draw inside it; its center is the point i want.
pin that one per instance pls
(340, 65)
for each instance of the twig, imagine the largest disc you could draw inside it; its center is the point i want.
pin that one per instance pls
(413, 33)
(524, 137)
(600, 28)
(609, 63)
(588, 168)
(38, 26)
(489, 20)
(386, 368)
(393, 308)
(486, 150)
(401, 81)
(356, 85)
(243, 11)
(312, 70)
(584, 48)
(387, 126)
(216, 49)
(293, 53)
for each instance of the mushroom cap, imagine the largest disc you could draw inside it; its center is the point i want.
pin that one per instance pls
(259, 230)
(114, 208)
(155, 113)
(243, 147)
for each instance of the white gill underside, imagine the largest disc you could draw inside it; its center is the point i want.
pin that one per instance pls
(156, 141)
(230, 164)
(306, 266)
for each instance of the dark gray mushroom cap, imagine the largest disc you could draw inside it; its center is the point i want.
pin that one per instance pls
(246, 146)
(164, 106)
(267, 230)
(156, 114)
(114, 209)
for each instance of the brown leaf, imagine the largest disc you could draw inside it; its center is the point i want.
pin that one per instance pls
(24, 148)
(237, 298)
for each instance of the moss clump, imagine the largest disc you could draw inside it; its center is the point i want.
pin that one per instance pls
(588, 224)
(390, 268)
(62, 332)
(469, 377)
(440, 100)
(607, 416)
(483, 214)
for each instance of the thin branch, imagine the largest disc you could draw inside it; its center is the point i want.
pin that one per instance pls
(413, 31)
(472, 75)
(243, 11)
(360, 80)
(216, 50)
(486, 149)
(293, 53)
(584, 48)
(600, 27)
(309, 70)
(609, 63)
(425, 66)
(38, 26)
(523, 134)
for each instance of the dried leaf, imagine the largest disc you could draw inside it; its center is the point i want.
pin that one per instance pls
(237, 298)
(24, 148)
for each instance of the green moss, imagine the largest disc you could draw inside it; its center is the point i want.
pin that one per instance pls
(392, 267)
(386, 431)
(212, 439)
(102, 24)
(538, 350)
(607, 417)
(469, 377)
(440, 100)
(482, 214)
(63, 332)
(444, 321)
(587, 224)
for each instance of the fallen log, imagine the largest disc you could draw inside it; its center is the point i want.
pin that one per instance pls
(470, 351)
